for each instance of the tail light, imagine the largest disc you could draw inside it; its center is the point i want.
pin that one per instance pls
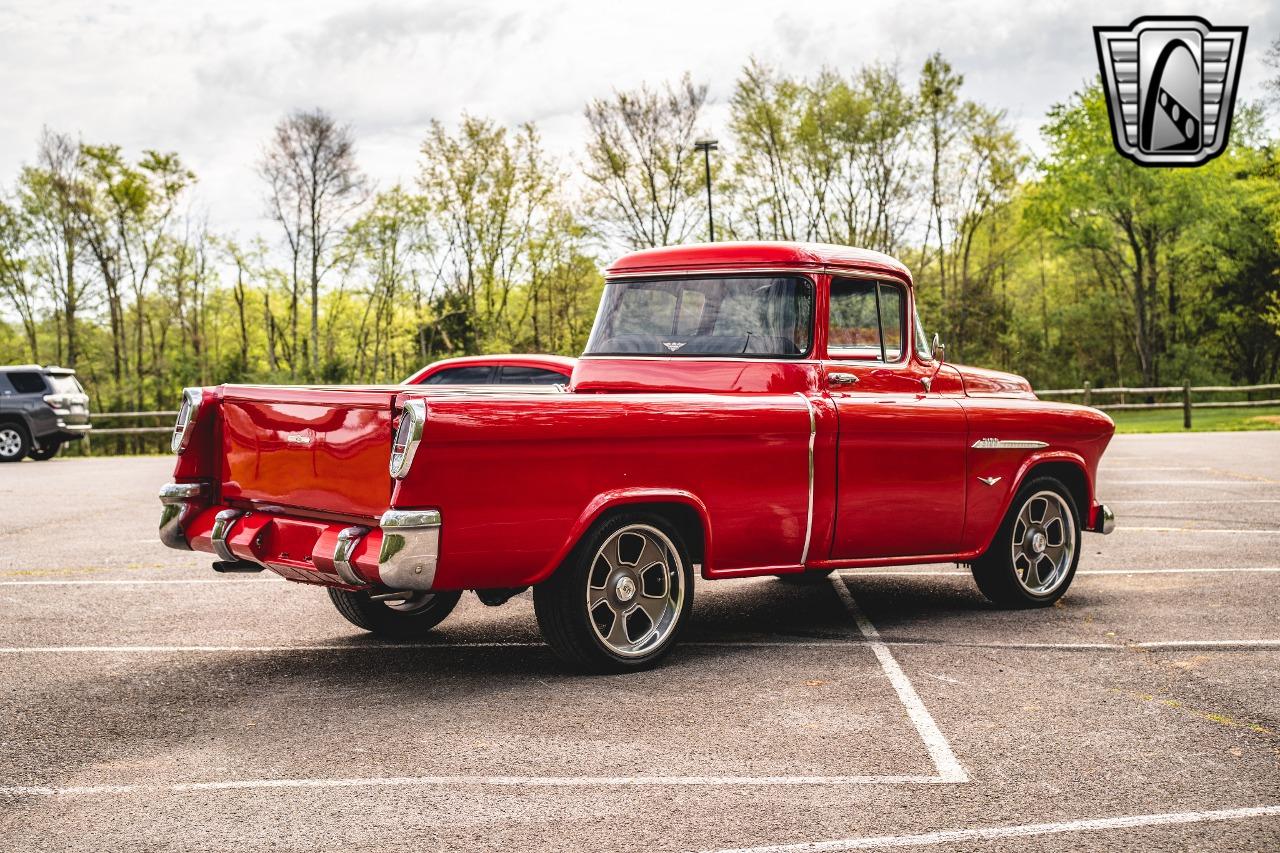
(187, 414)
(413, 417)
(60, 403)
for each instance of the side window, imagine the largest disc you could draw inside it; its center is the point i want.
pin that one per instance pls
(530, 376)
(27, 383)
(866, 320)
(471, 375)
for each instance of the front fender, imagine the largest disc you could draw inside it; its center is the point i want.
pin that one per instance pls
(985, 519)
(615, 498)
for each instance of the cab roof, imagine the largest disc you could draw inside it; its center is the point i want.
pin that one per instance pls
(756, 255)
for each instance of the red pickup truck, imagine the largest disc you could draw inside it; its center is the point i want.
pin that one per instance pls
(741, 409)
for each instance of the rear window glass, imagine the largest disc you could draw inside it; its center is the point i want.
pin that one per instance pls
(65, 384)
(27, 383)
(760, 316)
(530, 376)
(475, 375)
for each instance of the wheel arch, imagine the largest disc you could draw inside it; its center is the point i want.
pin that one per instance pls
(682, 508)
(1067, 467)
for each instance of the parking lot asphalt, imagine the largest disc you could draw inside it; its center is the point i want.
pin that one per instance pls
(146, 703)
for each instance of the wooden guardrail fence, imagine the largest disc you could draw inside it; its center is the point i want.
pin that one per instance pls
(1086, 393)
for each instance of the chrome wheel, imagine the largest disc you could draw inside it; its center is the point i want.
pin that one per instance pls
(1044, 543)
(635, 590)
(10, 442)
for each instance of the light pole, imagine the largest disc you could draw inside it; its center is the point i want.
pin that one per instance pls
(706, 146)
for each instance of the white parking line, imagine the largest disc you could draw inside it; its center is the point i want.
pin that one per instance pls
(993, 833)
(232, 581)
(1196, 530)
(877, 573)
(454, 781)
(949, 768)
(736, 644)
(139, 581)
(1200, 502)
(1194, 483)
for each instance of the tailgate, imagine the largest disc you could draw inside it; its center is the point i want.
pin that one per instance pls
(323, 449)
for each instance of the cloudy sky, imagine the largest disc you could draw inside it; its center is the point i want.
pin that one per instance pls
(209, 80)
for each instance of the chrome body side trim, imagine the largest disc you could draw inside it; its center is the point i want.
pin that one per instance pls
(410, 548)
(813, 435)
(348, 539)
(1009, 444)
(413, 418)
(222, 524)
(178, 502)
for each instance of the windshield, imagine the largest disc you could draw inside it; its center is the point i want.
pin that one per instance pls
(755, 316)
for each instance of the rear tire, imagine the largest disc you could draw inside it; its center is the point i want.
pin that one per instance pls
(408, 620)
(1033, 557)
(620, 600)
(45, 451)
(14, 442)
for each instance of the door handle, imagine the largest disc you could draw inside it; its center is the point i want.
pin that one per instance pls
(841, 379)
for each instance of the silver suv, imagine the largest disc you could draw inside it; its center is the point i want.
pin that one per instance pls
(41, 408)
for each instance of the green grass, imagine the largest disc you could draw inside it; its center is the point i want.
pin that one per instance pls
(1202, 420)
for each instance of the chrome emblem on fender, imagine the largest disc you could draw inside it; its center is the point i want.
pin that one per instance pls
(990, 481)
(298, 438)
(1010, 444)
(1170, 84)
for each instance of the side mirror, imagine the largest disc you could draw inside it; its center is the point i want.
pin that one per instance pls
(939, 353)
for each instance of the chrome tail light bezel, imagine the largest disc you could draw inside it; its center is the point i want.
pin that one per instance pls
(404, 445)
(185, 423)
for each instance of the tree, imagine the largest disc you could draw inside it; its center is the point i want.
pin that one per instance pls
(47, 195)
(16, 282)
(488, 193)
(644, 174)
(124, 212)
(1124, 220)
(313, 183)
(943, 119)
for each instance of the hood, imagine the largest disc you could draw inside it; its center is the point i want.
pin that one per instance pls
(982, 382)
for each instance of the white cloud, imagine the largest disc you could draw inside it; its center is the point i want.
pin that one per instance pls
(210, 80)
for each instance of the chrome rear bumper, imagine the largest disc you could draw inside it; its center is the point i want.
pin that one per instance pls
(1104, 520)
(410, 548)
(406, 542)
(179, 502)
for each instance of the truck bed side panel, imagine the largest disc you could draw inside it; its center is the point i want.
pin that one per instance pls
(512, 476)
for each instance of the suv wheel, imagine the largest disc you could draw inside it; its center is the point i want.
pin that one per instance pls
(47, 450)
(619, 601)
(14, 442)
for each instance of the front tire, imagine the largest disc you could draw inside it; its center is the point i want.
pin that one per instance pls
(1033, 557)
(620, 600)
(14, 442)
(410, 619)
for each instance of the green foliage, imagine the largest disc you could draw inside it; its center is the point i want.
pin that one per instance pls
(1079, 267)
